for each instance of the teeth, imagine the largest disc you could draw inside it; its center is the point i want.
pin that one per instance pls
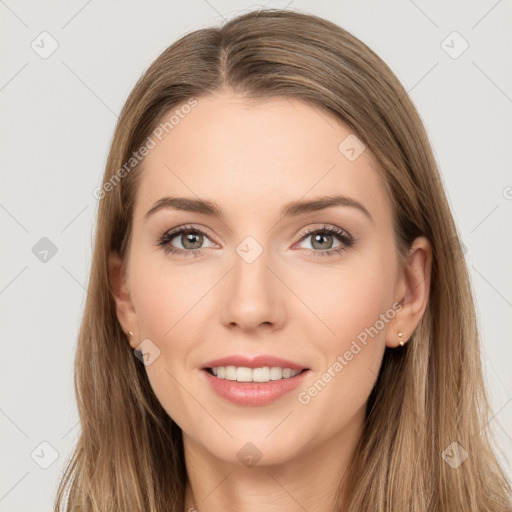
(244, 374)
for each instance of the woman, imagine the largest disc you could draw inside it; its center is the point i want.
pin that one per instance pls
(279, 313)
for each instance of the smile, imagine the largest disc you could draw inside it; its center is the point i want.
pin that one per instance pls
(245, 386)
(245, 374)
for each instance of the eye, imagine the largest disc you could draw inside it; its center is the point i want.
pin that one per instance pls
(189, 239)
(323, 240)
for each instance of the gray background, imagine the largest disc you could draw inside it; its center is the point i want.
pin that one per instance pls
(58, 116)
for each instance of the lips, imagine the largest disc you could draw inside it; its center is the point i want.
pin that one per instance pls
(253, 394)
(259, 361)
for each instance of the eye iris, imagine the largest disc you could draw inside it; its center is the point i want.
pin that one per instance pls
(195, 239)
(318, 237)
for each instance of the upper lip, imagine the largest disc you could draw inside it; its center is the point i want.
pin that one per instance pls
(254, 362)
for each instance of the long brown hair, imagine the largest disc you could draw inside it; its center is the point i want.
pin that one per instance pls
(428, 395)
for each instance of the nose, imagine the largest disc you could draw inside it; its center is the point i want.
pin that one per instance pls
(252, 295)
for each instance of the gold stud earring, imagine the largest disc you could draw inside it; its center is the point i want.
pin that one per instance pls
(401, 341)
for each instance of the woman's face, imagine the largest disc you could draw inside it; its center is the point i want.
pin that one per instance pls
(260, 279)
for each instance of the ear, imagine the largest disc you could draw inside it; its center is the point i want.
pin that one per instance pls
(119, 283)
(413, 292)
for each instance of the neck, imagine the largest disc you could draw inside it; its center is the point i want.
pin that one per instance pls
(308, 481)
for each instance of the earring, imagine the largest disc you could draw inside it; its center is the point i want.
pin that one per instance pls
(130, 333)
(401, 340)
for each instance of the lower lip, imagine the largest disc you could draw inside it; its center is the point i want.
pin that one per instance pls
(253, 393)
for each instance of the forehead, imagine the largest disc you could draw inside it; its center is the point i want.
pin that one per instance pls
(253, 153)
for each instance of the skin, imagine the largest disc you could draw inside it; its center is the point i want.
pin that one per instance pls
(251, 158)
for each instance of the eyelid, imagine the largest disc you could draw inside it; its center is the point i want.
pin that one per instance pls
(325, 227)
(190, 227)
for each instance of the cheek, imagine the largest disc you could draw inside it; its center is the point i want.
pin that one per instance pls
(347, 297)
(170, 302)
(356, 304)
(166, 296)
(338, 391)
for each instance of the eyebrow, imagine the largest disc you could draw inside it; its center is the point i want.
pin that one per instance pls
(292, 209)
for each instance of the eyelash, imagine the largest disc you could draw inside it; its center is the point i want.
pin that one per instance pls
(344, 237)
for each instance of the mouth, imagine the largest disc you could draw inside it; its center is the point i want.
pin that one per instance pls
(253, 375)
(254, 386)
